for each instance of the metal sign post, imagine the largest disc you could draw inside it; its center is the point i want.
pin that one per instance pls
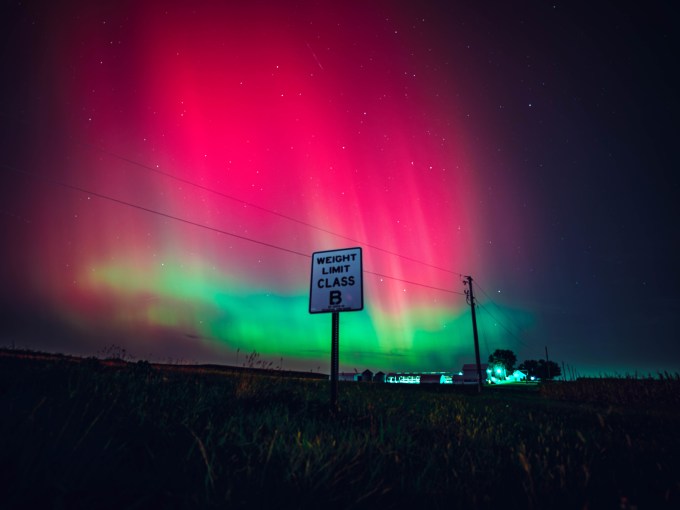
(336, 286)
(335, 356)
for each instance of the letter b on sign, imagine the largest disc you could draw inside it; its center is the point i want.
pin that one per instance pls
(335, 297)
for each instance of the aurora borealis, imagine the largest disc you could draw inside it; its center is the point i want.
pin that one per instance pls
(216, 145)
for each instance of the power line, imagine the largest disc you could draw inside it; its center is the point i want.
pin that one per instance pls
(504, 327)
(497, 306)
(506, 315)
(509, 317)
(203, 226)
(415, 283)
(484, 336)
(152, 211)
(259, 207)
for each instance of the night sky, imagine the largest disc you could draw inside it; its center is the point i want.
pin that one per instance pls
(168, 168)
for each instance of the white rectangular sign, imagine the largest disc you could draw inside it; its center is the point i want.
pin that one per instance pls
(337, 284)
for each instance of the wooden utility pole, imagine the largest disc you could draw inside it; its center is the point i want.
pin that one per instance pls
(471, 301)
(547, 361)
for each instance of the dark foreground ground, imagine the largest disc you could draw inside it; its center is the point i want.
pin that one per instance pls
(94, 435)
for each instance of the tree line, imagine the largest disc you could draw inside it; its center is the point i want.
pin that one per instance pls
(540, 369)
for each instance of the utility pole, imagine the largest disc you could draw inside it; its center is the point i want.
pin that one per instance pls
(470, 298)
(547, 361)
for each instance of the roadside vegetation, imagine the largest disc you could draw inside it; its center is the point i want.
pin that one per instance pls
(89, 435)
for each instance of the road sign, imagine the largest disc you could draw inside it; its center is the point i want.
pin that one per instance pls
(337, 284)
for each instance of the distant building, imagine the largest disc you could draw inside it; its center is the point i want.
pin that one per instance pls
(469, 374)
(349, 376)
(418, 378)
(402, 378)
(432, 379)
(516, 376)
(366, 376)
(498, 375)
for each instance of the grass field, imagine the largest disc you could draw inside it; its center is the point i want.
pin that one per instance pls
(88, 435)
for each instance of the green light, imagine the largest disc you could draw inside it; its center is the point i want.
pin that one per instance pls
(226, 312)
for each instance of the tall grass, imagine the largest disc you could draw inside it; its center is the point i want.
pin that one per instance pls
(662, 391)
(88, 435)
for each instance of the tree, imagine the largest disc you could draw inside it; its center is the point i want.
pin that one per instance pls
(549, 369)
(530, 367)
(541, 369)
(505, 358)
